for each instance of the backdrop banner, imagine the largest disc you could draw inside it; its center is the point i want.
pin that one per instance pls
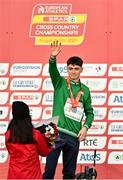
(85, 28)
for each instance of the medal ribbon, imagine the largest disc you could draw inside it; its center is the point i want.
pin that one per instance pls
(75, 101)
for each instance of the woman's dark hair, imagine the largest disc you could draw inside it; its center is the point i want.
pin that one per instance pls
(75, 60)
(21, 128)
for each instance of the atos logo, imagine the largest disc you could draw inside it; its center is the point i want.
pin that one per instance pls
(88, 157)
(116, 99)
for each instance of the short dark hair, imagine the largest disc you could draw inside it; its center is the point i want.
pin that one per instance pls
(75, 60)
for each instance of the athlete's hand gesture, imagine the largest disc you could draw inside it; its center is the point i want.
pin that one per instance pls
(55, 48)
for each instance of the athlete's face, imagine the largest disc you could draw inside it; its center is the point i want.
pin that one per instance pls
(74, 72)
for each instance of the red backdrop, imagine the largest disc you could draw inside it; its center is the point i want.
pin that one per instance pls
(90, 29)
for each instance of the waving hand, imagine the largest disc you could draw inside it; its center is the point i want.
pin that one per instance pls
(55, 48)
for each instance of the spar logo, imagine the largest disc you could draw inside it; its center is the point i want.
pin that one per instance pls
(51, 21)
(115, 143)
(47, 113)
(116, 70)
(28, 97)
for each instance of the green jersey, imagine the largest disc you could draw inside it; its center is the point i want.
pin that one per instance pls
(61, 94)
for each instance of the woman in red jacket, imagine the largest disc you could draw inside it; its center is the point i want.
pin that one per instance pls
(24, 145)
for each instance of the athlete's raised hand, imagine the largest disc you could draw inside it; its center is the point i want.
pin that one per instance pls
(55, 48)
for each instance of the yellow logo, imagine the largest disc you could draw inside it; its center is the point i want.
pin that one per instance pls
(55, 21)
